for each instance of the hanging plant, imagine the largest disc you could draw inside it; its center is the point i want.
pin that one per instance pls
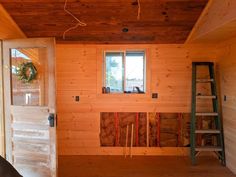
(27, 72)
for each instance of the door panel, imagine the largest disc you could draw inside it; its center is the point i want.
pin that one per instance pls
(30, 141)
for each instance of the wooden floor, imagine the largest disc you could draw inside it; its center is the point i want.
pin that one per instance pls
(139, 166)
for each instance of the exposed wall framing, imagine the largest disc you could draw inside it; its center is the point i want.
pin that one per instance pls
(114, 128)
(160, 130)
(168, 129)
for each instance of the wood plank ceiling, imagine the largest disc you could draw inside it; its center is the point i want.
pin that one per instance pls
(161, 21)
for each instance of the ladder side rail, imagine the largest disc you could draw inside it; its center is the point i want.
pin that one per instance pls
(218, 121)
(193, 115)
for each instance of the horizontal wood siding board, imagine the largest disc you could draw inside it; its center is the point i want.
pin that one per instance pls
(80, 72)
(227, 72)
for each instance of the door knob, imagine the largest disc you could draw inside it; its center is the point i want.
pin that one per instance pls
(51, 119)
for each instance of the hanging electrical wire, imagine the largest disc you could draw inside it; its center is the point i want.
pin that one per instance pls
(80, 23)
(139, 10)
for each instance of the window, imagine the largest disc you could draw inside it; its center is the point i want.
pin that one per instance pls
(125, 71)
(32, 93)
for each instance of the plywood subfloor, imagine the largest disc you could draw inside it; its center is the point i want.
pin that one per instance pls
(140, 166)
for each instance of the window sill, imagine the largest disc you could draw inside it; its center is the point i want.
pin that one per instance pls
(124, 95)
(121, 93)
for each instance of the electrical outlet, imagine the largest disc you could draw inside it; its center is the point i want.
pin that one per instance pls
(77, 98)
(155, 95)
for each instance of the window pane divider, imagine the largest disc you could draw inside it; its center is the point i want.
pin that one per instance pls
(124, 71)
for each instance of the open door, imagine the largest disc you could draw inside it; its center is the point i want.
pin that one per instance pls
(30, 112)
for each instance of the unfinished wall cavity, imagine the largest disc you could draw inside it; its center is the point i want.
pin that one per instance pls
(116, 126)
(149, 129)
(169, 129)
(108, 133)
(207, 139)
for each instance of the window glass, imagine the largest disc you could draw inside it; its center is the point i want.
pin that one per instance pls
(29, 77)
(134, 70)
(114, 71)
(125, 71)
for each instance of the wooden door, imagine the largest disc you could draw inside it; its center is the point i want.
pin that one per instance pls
(29, 94)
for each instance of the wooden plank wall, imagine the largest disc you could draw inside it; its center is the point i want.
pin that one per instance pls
(79, 73)
(9, 29)
(217, 23)
(227, 70)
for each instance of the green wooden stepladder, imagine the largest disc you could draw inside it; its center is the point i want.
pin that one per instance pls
(217, 129)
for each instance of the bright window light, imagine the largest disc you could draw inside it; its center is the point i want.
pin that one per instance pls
(125, 71)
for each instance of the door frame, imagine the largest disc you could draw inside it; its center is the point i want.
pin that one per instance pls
(49, 44)
(2, 124)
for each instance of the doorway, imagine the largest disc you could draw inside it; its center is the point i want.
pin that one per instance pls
(30, 109)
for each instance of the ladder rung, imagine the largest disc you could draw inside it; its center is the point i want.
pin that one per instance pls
(210, 132)
(208, 148)
(206, 114)
(204, 63)
(213, 131)
(204, 80)
(206, 96)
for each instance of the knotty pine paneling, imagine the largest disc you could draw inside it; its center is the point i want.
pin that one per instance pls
(160, 22)
(216, 23)
(227, 72)
(79, 73)
(9, 29)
